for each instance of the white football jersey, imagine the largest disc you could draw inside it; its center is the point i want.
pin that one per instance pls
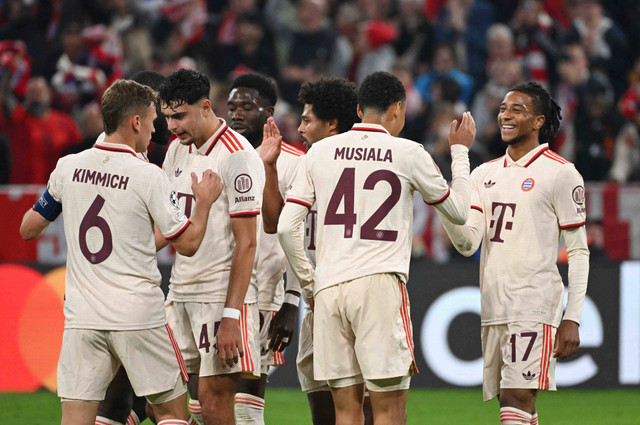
(111, 199)
(271, 258)
(522, 206)
(362, 182)
(205, 276)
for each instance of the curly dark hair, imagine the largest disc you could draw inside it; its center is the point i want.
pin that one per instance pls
(543, 104)
(184, 86)
(332, 98)
(379, 91)
(265, 86)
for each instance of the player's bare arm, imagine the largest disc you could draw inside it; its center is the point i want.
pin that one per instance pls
(206, 192)
(229, 338)
(269, 153)
(464, 134)
(33, 225)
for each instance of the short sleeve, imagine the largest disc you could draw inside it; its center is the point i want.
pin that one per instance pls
(54, 186)
(162, 203)
(243, 177)
(287, 175)
(302, 191)
(569, 198)
(426, 177)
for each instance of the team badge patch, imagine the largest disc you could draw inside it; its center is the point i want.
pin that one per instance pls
(243, 183)
(528, 184)
(578, 195)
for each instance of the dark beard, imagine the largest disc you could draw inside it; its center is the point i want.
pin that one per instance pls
(254, 137)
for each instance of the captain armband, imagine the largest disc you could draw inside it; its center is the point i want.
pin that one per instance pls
(48, 207)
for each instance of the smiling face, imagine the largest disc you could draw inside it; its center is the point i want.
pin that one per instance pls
(146, 129)
(517, 119)
(185, 121)
(248, 113)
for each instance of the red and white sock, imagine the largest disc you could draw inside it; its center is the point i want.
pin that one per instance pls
(101, 420)
(133, 419)
(513, 416)
(196, 411)
(249, 409)
(534, 419)
(173, 422)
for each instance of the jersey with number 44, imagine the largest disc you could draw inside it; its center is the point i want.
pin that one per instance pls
(110, 200)
(362, 182)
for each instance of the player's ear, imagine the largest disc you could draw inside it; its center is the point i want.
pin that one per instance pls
(136, 122)
(333, 124)
(205, 106)
(359, 111)
(538, 122)
(268, 111)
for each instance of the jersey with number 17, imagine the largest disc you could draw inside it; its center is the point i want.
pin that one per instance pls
(362, 182)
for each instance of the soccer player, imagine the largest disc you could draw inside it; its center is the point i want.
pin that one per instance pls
(330, 108)
(521, 204)
(362, 183)
(212, 300)
(114, 312)
(251, 102)
(120, 405)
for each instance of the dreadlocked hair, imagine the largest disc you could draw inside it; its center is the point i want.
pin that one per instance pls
(543, 104)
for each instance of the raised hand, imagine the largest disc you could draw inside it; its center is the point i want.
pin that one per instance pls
(271, 142)
(464, 134)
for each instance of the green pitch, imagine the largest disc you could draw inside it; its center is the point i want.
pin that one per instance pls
(432, 407)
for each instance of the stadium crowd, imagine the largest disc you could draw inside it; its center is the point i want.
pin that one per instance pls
(57, 57)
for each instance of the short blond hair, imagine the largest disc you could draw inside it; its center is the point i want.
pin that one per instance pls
(123, 99)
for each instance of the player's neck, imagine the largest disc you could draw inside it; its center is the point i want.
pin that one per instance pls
(120, 139)
(211, 126)
(521, 148)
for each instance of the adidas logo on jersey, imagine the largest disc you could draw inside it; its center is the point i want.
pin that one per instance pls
(529, 376)
(489, 184)
(177, 172)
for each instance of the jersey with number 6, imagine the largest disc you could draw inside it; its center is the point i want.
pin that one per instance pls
(111, 199)
(362, 182)
(205, 276)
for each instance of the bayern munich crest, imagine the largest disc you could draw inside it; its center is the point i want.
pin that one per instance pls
(578, 195)
(243, 183)
(528, 184)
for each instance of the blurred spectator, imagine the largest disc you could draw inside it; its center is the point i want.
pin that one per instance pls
(79, 79)
(348, 25)
(500, 44)
(626, 159)
(252, 51)
(312, 48)
(415, 39)
(443, 64)
(17, 64)
(91, 126)
(374, 51)
(228, 31)
(604, 41)
(38, 135)
(596, 124)
(130, 37)
(538, 41)
(464, 24)
(629, 101)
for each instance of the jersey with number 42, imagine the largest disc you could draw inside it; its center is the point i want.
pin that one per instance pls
(111, 199)
(362, 182)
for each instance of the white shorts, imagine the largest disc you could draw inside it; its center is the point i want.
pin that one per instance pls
(267, 356)
(518, 355)
(363, 327)
(304, 361)
(89, 359)
(196, 325)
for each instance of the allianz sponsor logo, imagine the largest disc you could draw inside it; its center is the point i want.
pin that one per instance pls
(245, 198)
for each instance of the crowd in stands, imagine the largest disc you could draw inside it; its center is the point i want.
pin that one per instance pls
(58, 56)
